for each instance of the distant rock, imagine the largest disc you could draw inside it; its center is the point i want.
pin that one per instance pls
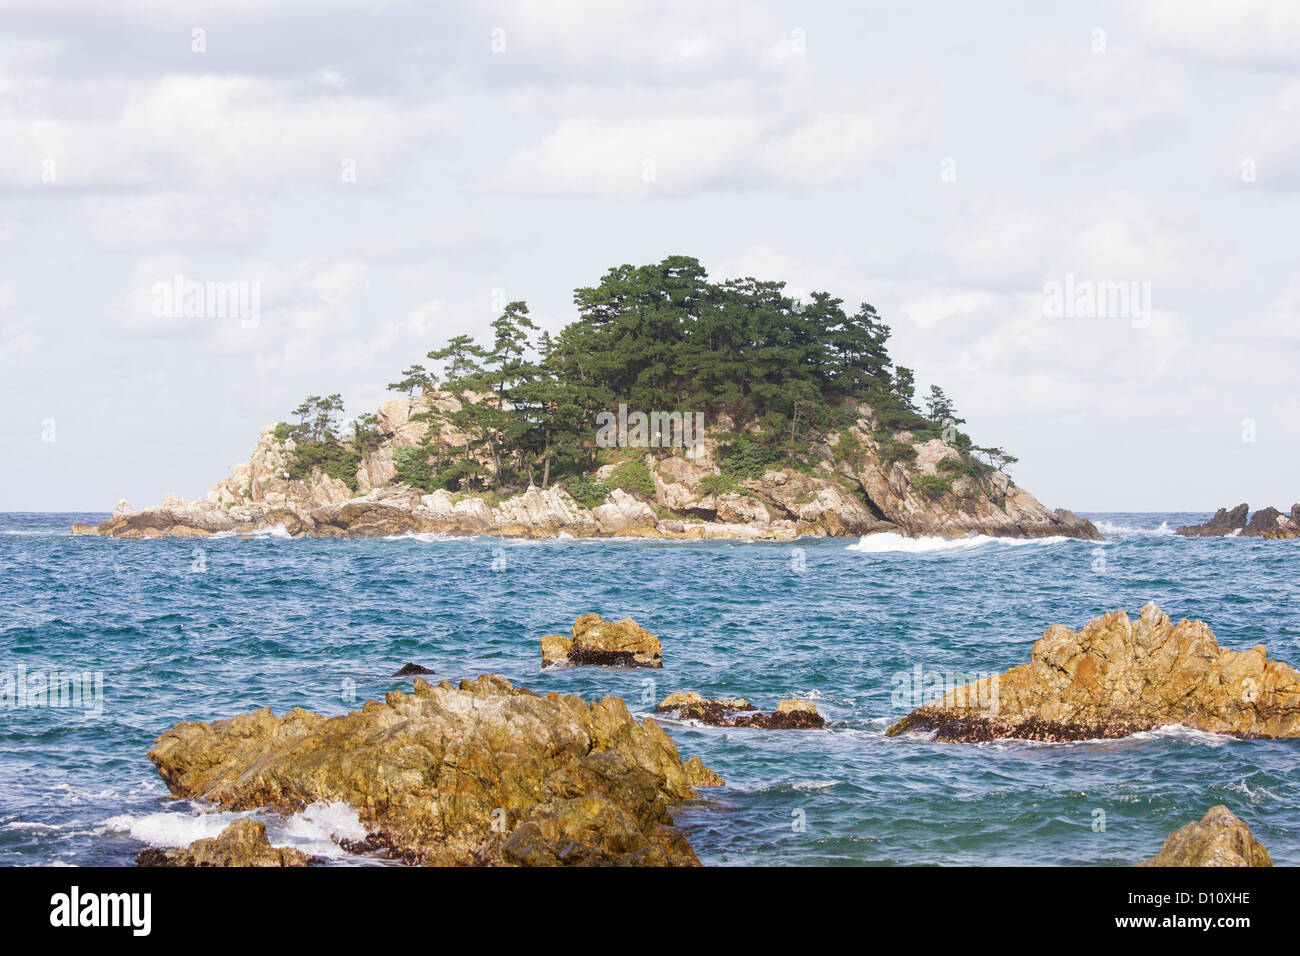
(1224, 522)
(243, 843)
(483, 773)
(1265, 523)
(739, 712)
(409, 670)
(602, 643)
(1219, 838)
(1116, 677)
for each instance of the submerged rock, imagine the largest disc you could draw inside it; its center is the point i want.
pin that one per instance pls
(602, 643)
(480, 773)
(1219, 838)
(408, 670)
(243, 843)
(1116, 677)
(738, 712)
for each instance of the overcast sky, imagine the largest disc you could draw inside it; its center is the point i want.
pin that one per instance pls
(946, 162)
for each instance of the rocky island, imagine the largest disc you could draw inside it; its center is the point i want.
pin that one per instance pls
(1118, 676)
(673, 407)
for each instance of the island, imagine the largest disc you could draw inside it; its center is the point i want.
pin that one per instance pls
(674, 406)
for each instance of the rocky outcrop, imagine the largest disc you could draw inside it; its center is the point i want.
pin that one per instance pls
(243, 843)
(700, 775)
(1219, 838)
(1114, 677)
(595, 641)
(739, 712)
(1265, 523)
(480, 773)
(866, 480)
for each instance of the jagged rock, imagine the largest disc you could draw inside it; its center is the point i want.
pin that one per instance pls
(701, 776)
(480, 773)
(739, 712)
(624, 516)
(1115, 677)
(243, 843)
(1219, 838)
(410, 670)
(602, 643)
(1224, 522)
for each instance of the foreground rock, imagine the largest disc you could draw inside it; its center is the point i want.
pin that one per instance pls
(1265, 523)
(866, 479)
(738, 712)
(480, 774)
(1219, 838)
(1116, 677)
(595, 641)
(243, 843)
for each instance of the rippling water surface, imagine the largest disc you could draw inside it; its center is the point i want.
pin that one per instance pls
(197, 630)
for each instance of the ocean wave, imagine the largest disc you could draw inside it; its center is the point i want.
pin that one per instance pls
(890, 542)
(1110, 527)
(278, 531)
(312, 829)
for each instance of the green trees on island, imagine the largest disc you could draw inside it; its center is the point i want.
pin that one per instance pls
(655, 337)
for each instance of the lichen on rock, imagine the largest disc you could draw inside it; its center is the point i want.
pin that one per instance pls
(597, 642)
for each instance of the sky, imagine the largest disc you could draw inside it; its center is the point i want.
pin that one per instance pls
(1080, 222)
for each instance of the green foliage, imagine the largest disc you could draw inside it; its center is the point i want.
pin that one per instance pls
(893, 450)
(412, 465)
(747, 458)
(282, 431)
(634, 478)
(330, 457)
(720, 484)
(933, 487)
(586, 492)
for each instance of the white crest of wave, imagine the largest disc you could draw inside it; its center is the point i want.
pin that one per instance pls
(890, 542)
(1110, 527)
(312, 829)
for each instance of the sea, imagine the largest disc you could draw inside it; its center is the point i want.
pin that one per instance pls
(154, 632)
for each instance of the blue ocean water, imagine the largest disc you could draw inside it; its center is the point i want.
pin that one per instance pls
(184, 629)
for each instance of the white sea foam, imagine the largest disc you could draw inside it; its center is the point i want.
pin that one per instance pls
(1110, 527)
(277, 531)
(889, 542)
(163, 829)
(311, 829)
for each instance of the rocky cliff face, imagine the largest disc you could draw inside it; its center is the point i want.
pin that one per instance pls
(480, 773)
(1116, 676)
(1220, 838)
(860, 485)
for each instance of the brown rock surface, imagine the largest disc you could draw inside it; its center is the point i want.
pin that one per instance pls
(483, 773)
(739, 712)
(602, 643)
(243, 843)
(1115, 677)
(1219, 838)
